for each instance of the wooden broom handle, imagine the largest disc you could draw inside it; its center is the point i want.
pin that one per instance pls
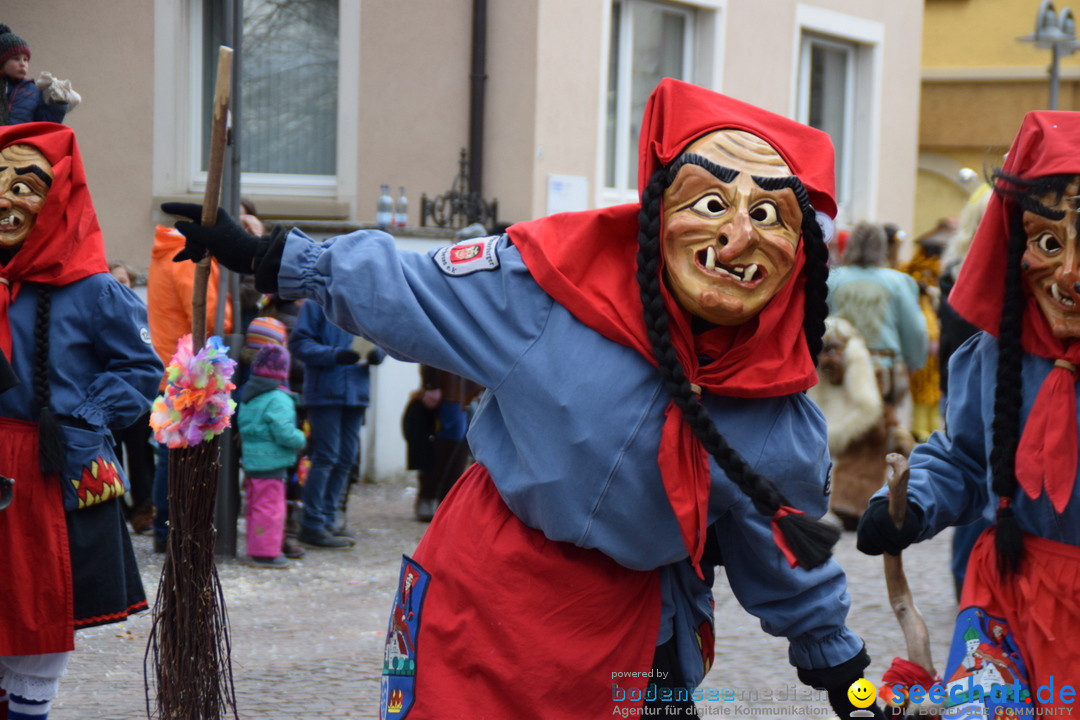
(916, 634)
(215, 170)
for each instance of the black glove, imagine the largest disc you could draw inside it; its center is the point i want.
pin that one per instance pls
(877, 534)
(837, 680)
(226, 241)
(347, 357)
(375, 356)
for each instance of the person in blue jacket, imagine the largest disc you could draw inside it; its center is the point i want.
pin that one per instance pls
(337, 389)
(644, 422)
(23, 100)
(80, 348)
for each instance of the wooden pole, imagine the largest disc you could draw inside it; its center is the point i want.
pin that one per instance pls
(211, 198)
(916, 635)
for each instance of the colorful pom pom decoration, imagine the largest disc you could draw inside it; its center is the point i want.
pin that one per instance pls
(197, 404)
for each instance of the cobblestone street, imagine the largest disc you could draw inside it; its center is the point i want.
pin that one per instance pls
(308, 641)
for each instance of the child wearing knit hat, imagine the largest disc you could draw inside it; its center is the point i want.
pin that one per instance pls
(260, 331)
(25, 100)
(270, 442)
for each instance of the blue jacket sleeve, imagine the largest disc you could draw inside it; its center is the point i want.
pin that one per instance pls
(808, 607)
(131, 370)
(51, 112)
(23, 103)
(475, 325)
(27, 105)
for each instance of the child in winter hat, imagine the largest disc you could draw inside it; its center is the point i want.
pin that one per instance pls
(270, 444)
(11, 45)
(271, 361)
(263, 330)
(23, 99)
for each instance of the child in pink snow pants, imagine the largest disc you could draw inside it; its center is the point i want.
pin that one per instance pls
(270, 443)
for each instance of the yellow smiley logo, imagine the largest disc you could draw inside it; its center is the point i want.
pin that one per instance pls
(862, 693)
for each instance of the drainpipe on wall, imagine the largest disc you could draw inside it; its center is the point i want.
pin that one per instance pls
(476, 98)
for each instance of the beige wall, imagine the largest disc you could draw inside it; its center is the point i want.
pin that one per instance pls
(568, 94)
(413, 84)
(105, 55)
(510, 117)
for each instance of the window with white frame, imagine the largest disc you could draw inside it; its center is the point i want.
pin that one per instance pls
(649, 41)
(289, 82)
(827, 87)
(838, 79)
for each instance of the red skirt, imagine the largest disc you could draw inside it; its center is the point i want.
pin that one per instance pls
(493, 620)
(36, 605)
(1040, 605)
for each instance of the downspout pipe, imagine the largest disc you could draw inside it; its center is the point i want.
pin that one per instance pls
(476, 100)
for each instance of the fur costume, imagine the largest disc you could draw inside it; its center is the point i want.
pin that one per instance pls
(851, 402)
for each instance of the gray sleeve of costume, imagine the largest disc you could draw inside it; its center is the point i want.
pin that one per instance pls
(472, 319)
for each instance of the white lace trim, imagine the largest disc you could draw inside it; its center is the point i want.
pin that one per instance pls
(30, 688)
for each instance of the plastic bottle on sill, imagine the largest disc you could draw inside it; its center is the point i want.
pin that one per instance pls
(384, 210)
(401, 208)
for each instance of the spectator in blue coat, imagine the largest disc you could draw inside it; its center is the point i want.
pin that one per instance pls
(24, 100)
(337, 385)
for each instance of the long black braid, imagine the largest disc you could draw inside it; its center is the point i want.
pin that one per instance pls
(50, 445)
(810, 540)
(1020, 195)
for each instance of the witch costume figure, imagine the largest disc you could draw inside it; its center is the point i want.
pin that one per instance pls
(80, 349)
(644, 422)
(1010, 451)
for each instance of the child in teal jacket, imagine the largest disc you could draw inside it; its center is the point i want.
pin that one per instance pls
(270, 443)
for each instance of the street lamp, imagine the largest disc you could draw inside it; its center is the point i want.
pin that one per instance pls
(1056, 33)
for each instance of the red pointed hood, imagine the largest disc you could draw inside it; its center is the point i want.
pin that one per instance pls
(65, 244)
(587, 260)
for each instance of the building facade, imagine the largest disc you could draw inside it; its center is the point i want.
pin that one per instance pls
(339, 97)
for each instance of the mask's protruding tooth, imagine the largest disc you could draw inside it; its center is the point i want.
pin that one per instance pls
(1056, 293)
(750, 272)
(710, 258)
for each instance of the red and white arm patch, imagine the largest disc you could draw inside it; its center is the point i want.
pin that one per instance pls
(468, 256)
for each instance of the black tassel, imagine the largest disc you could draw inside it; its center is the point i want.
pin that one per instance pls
(50, 443)
(1008, 541)
(810, 540)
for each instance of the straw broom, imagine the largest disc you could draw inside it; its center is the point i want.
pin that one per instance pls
(189, 640)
